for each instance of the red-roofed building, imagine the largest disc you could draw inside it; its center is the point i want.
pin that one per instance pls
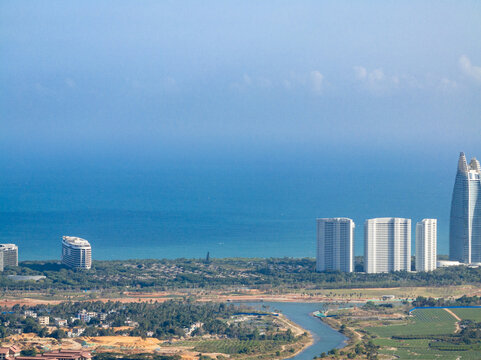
(9, 352)
(67, 355)
(53, 355)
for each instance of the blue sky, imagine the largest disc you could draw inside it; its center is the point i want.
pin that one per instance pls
(299, 89)
(240, 76)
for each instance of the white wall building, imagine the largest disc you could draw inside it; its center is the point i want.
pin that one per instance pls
(448, 263)
(76, 252)
(9, 253)
(44, 320)
(335, 244)
(426, 238)
(387, 245)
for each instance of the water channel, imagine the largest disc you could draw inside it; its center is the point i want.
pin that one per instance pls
(325, 338)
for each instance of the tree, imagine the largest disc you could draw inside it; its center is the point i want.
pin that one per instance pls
(58, 334)
(43, 332)
(28, 352)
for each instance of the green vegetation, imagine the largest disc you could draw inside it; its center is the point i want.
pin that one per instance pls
(423, 322)
(28, 352)
(464, 300)
(115, 356)
(232, 347)
(430, 334)
(285, 273)
(165, 320)
(425, 334)
(203, 327)
(468, 314)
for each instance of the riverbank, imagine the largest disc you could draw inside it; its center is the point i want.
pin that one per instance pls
(324, 337)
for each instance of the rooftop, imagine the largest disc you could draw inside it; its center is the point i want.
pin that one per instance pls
(76, 241)
(8, 247)
(473, 166)
(335, 219)
(388, 219)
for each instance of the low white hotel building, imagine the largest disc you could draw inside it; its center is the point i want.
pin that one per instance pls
(76, 252)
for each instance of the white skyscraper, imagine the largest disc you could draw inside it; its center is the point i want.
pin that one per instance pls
(426, 234)
(387, 245)
(335, 244)
(465, 221)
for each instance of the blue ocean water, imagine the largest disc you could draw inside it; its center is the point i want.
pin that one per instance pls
(244, 209)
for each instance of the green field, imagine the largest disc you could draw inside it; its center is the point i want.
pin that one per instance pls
(419, 349)
(423, 322)
(468, 314)
(233, 347)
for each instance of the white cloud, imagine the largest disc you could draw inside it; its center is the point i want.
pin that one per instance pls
(361, 72)
(316, 80)
(248, 81)
(313, 81)
(446, 85)
(376, 75)
(376, 80)
(469, 69)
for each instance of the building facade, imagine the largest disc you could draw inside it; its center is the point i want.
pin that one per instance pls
(335, 244)
(10, 254)
(387, 245)
(76, 252)
(44, 320)
(426, 239)
(465, 220)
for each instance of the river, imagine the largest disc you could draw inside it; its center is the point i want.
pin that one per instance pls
(325, 338)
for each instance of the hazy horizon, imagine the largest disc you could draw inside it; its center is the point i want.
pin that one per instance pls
(272, 110)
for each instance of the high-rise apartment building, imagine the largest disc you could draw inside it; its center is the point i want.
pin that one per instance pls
(426, 237)
(335, 244)
(76, 252)
(10, 254)
(387, 245)
(465, 221)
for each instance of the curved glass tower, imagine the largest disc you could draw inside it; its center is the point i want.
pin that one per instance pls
(465, 221)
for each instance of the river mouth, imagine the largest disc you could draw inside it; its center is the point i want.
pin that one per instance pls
(324, 337)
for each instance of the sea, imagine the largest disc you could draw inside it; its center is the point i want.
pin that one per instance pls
(184, 209)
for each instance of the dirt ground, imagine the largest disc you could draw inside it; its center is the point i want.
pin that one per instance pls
(327, 295)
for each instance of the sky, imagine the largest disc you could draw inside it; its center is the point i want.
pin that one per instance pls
(239, 76)
(391, 88)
